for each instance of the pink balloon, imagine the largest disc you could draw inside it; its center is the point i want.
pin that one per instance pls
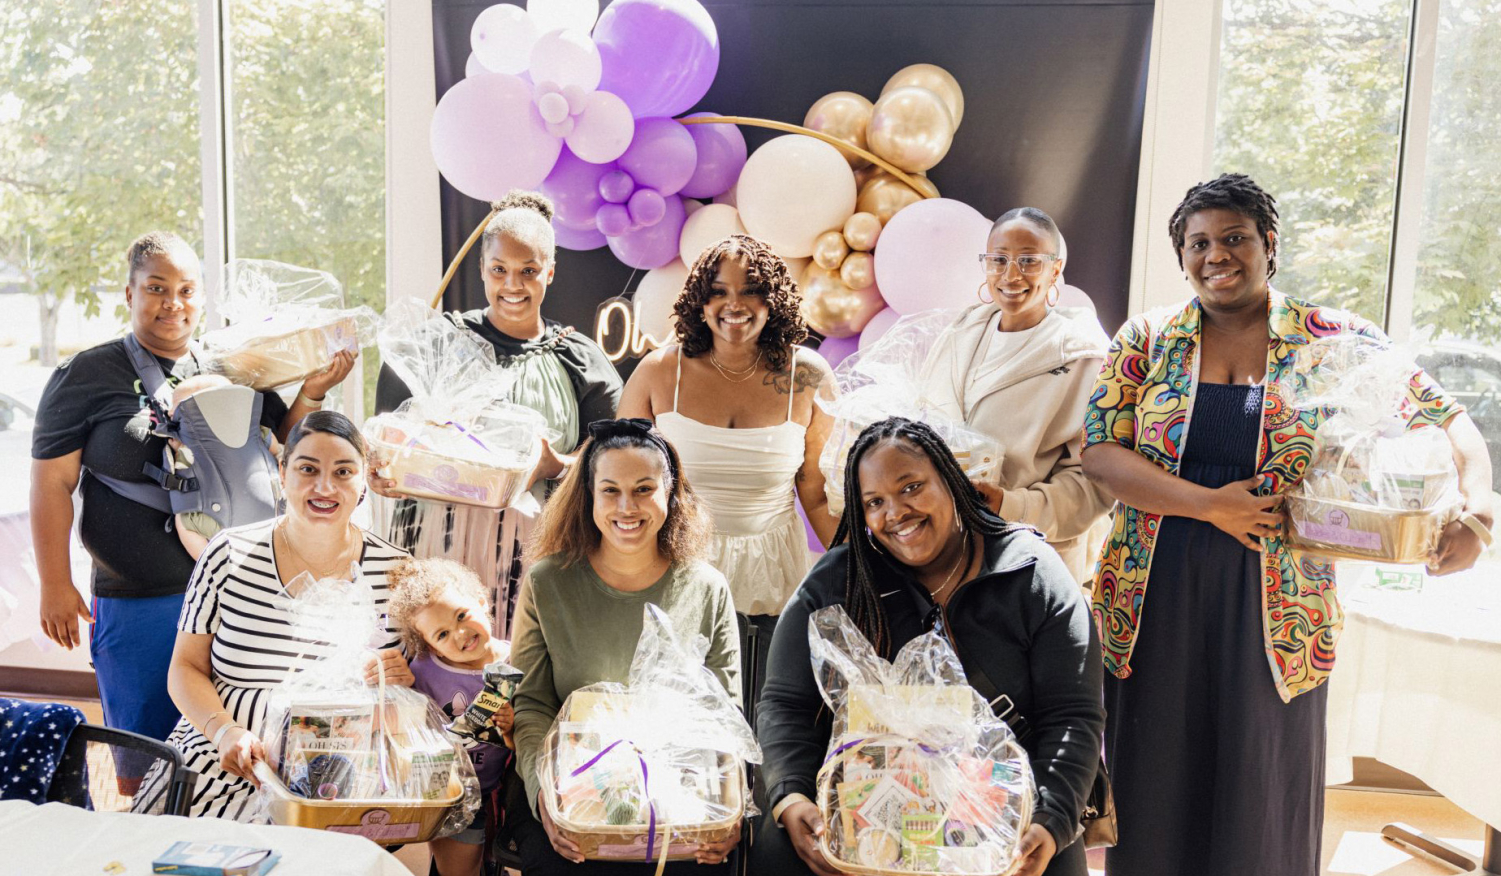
(1073, 296)
(878, 326)
(661, 155)
(573, 187)
(721, 155)
(602, 131)
(616, 186)
(835, 350)
(647, 207)
(613, 219)
(655, 245)
(576, 238)
(928, 256)
(488, 138)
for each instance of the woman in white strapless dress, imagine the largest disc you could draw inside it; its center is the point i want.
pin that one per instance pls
(735, 396)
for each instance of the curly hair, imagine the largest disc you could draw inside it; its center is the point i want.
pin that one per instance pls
(765, 271)
(566, 528)
(516, 216)
(1229, 191)
(414, 584)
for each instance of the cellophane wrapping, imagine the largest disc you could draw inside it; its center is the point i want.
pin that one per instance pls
(286, 323)
(653, 766)
(921, 776)
(886, 381)
(330, 736)
(455, 440)
(1369, 472)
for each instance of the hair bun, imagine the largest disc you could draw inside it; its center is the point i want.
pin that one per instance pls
(519, 199)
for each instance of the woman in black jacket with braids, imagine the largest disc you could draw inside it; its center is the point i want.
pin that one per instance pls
(920, 549)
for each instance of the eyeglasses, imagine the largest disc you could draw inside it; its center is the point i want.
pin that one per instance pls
(997, 264)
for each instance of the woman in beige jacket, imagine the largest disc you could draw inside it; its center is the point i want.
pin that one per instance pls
(1017, 370)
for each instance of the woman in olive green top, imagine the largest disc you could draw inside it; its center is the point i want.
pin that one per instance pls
(622, 531)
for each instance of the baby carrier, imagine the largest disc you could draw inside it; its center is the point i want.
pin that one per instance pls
(230, 473)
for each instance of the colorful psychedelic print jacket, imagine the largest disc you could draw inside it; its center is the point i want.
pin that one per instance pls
(1143, 400)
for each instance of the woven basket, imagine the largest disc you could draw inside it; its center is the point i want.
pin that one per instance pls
(281, 360)
(1348, 530)
(388, 822)
(425, 474)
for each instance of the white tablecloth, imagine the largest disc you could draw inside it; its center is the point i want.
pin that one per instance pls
(1417, 684)
(60, 839)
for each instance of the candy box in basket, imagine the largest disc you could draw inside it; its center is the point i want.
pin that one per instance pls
(451, 462)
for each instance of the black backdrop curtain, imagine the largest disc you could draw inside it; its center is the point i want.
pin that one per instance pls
(1053, 98)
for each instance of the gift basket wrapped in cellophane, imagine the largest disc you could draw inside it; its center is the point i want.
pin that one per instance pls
(1374, 488)
(921, 776)
(347, 756)
(886, 381)
(454, 440)
(286, 324)
(649, 770)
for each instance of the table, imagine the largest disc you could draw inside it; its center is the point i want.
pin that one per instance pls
(1417, 686)
(62, 839)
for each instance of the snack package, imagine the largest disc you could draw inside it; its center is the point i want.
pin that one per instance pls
(887, 381)
(921, 776)
(652, 768)
(286, 323)
(501, 681)
(454, 440)
(1373, 488)
(350, 757)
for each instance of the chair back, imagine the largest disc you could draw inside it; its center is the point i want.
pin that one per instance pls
(111, 770)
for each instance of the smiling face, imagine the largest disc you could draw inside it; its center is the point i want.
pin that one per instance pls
(1022, 297)
(631, 490)
(906, 504)
(736, 310)
(323, 480)
(455, 627)
(163, 300)
(517, 273)
(1225, 259)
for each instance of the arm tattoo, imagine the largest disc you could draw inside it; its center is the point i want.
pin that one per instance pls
(807, 375)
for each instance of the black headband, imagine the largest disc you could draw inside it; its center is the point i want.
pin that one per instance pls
(635, 427)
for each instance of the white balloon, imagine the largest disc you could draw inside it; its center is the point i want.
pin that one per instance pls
(690, 206)
(726, 197)
(706, 227)
(604, 130)
(564, 58)
(473, 67)
(793, 189)
(555, 14)
(502, 38)
(654, 299)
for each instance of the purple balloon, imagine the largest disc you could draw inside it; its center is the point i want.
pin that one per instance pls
(659, 56)
(835, 350)
(814, 544)
(613, 219)
(721, 155)
(576, 238)
(487, 137)
(647, 207)
(573, 187)
(655, 245)
(661, 155)
(616, 186)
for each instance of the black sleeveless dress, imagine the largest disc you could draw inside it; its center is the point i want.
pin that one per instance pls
(1213, 773)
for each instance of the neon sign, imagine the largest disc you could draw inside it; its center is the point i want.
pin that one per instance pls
(618, 333)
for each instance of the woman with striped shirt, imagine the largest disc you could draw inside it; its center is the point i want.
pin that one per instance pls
(235, 644)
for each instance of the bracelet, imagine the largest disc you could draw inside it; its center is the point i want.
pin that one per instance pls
(315, 404)
(219, 736)
(209, 721)
(1477, 526)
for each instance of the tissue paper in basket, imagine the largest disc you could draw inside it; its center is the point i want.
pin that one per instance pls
(485, 463)
(921, 777)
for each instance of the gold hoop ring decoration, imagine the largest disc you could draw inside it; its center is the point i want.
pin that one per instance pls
(453, 266)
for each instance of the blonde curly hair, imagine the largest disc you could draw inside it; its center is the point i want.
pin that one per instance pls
(524, 216)
(414, 584)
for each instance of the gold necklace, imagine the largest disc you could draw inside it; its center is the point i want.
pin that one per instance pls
(963, 560)
(725, 372)
(302, 561)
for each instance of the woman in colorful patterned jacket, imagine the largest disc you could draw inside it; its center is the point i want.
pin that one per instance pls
(1215, 736)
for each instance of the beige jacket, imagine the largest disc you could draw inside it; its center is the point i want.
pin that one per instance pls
(1033, 405)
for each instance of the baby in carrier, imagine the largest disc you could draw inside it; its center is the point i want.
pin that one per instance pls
(196, 527)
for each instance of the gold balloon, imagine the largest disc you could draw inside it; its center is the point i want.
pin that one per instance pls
(866, 174)
(858, 270)
(829, 250)
(833, 309)
(911, 128)
(884, 194)
(861, 231)
(935, 79)
(842, 115)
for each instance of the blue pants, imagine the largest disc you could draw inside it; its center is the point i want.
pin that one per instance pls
(131, 646)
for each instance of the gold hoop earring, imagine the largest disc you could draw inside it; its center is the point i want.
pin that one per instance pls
(981, 296)
(1053, 295)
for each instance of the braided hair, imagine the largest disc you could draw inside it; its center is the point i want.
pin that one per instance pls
(764, 270)
(1229, 191)
(861, 597)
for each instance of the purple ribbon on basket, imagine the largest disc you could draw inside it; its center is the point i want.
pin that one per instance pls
(465, 432)
(842, 749)
(651, 808)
